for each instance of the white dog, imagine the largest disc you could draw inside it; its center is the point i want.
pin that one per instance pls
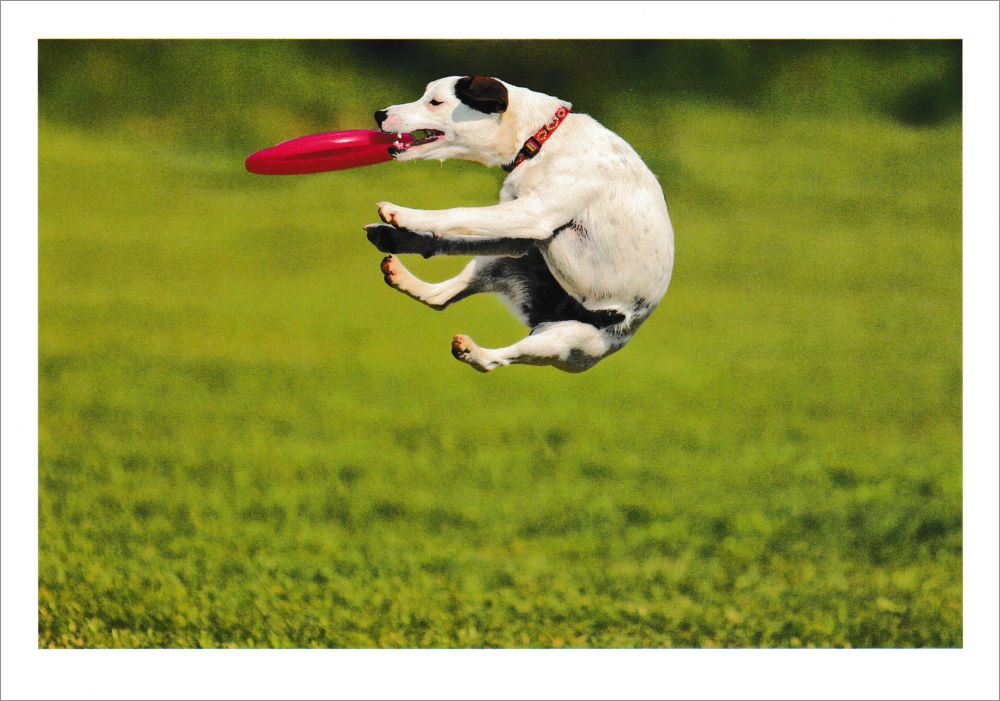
(580, 246)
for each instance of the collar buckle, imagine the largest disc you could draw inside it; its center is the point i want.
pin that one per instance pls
(534, 143)
(531, 147)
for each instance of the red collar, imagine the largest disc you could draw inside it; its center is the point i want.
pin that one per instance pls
(534, 143)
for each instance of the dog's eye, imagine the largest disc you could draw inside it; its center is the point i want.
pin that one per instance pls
(435, 103)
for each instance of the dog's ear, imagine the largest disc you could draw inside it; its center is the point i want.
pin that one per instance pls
(487, 95)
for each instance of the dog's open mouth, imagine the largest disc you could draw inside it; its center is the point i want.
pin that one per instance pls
(420, 137)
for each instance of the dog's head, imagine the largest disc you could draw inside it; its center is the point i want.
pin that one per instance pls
(472, 118)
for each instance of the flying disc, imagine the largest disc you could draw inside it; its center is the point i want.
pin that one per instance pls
(332, 150)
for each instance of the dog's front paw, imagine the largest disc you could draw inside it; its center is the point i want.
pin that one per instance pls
(405, 218)
(389, 239)
(388, 212)
(385, 238)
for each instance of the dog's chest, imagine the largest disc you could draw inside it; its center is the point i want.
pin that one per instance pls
(510, 189)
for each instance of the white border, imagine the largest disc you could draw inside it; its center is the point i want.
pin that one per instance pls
(32, 674)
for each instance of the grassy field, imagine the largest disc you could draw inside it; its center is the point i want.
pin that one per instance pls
(248, 440)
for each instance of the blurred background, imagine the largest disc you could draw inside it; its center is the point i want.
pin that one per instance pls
(252, 91)
(248, 440)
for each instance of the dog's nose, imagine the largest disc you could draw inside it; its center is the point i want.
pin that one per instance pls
(380, 116)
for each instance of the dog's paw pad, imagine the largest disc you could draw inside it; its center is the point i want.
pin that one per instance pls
(390, 267)
(396, 276)
(461, 346)
(466, 350)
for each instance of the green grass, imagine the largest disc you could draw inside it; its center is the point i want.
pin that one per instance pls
(247, 439)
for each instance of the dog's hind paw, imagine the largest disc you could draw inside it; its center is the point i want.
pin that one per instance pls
(392, 269)
(462, 347)
(466, 350)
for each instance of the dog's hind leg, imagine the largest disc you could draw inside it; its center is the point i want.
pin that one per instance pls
(524, 283)
(435, 295)
(572, 346)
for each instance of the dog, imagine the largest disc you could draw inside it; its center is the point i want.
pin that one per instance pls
(580, 247)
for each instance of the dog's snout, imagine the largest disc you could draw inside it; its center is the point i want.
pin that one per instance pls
(380, 116)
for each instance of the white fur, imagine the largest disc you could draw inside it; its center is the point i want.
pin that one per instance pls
(621, 249)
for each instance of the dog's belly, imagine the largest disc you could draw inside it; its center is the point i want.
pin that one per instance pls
(625, 268)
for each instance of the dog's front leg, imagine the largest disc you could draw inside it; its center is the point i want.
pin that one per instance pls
(526, 218)
(390, 239)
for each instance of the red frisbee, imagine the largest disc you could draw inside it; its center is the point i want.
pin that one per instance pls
(332, 150)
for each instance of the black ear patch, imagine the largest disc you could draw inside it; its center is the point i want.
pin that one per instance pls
(487, 95)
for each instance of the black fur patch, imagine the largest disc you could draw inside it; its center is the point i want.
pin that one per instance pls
(542, 298)
(487, 95)
(575, 226)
